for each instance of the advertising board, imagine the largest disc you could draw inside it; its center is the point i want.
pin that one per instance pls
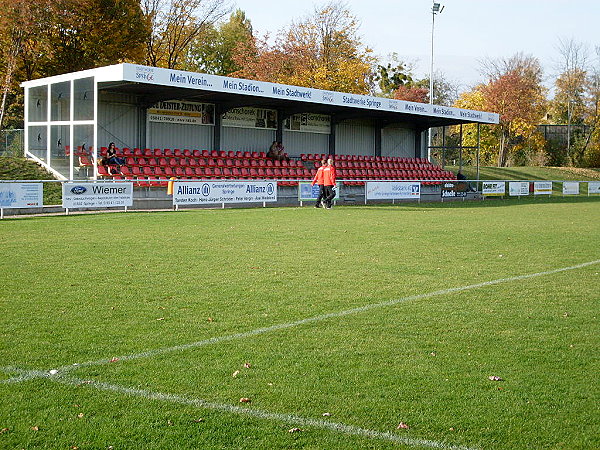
(209, 192)
(97, 195)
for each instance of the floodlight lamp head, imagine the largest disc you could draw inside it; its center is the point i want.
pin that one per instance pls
(436, 7)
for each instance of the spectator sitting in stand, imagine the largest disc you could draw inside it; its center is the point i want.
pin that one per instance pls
(272, 153)
(111, 158)
(281, 156)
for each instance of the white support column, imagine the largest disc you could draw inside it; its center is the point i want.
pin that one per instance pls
(95, 140)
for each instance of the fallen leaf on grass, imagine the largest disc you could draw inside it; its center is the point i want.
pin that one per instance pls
(294, 430)
(326, 414)
(161, 318)
(210, 320)
(402, 426)
(169, 423)
(247, 365)
(80, 415)
(245, 400)
(495, 378)
(115, 359)
(35, 428)
(4, 430)
(200, 420)
(235, 374)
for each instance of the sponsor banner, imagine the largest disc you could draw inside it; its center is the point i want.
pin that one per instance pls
(571, 188)
(454, 189)
(542, 188)
(21, 195)
(393, 190)
(593, 187)
(491, 188)
(207, 192)
(518, 188)
(175, 111)
(97, 195)
(308, 192)
(250, 118)
(215, 83)
(309, 123)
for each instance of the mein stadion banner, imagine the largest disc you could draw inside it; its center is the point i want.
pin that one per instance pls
(393, 190)
(215, 83)
(204, 193)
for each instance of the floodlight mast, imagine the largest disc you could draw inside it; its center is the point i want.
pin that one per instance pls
(435, 9)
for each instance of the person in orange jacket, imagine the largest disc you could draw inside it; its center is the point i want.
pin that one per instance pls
(318, 179)
(329, 183)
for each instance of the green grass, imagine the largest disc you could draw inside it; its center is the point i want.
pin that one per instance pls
(529, 173)
(93, 287)
(18, 168)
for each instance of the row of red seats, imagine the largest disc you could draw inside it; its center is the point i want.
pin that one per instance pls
(207, 172)
(338, 158)
(382, 165)
(187, 153)
(210, 162)
(388, 174)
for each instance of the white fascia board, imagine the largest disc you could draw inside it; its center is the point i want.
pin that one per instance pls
(107, 73)
(215, 83)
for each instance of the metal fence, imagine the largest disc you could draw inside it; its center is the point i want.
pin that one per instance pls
(12, 142)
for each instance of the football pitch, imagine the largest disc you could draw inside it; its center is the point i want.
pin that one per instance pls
(463, 325)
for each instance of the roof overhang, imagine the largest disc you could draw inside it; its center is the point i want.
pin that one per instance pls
(153, 84)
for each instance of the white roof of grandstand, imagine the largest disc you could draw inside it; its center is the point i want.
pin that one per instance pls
(159, 84)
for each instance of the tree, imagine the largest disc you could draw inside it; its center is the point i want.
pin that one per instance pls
(412, 94)
(20, 35)
(212, 51)
(515, 92)
(91, 33)
(392, 76)
(322, 51)
(175, 24)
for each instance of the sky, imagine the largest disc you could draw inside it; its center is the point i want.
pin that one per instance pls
(465, 33)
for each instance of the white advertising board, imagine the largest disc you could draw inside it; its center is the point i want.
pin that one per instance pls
(393, 190)
(593, 187)
(518, 188)
(21, 195)
(309, 123)
(309, 192)
(571, 188)
(215, 83)
(491, 188)
(542, 188)
(176, 111)
(249, 117)
(208, 192)
(97, 195)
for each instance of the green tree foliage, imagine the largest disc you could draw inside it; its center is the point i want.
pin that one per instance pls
(392, 76)
(212, 51)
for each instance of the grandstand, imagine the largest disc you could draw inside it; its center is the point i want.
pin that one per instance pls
(154, 167)
(152, 112)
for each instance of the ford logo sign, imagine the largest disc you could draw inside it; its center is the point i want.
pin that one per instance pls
(78, 190)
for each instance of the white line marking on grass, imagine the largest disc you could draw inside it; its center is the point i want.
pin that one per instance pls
(259, 414)
(283, 326)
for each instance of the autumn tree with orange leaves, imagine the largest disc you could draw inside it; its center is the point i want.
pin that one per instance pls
(514, 92)
(322, 51)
